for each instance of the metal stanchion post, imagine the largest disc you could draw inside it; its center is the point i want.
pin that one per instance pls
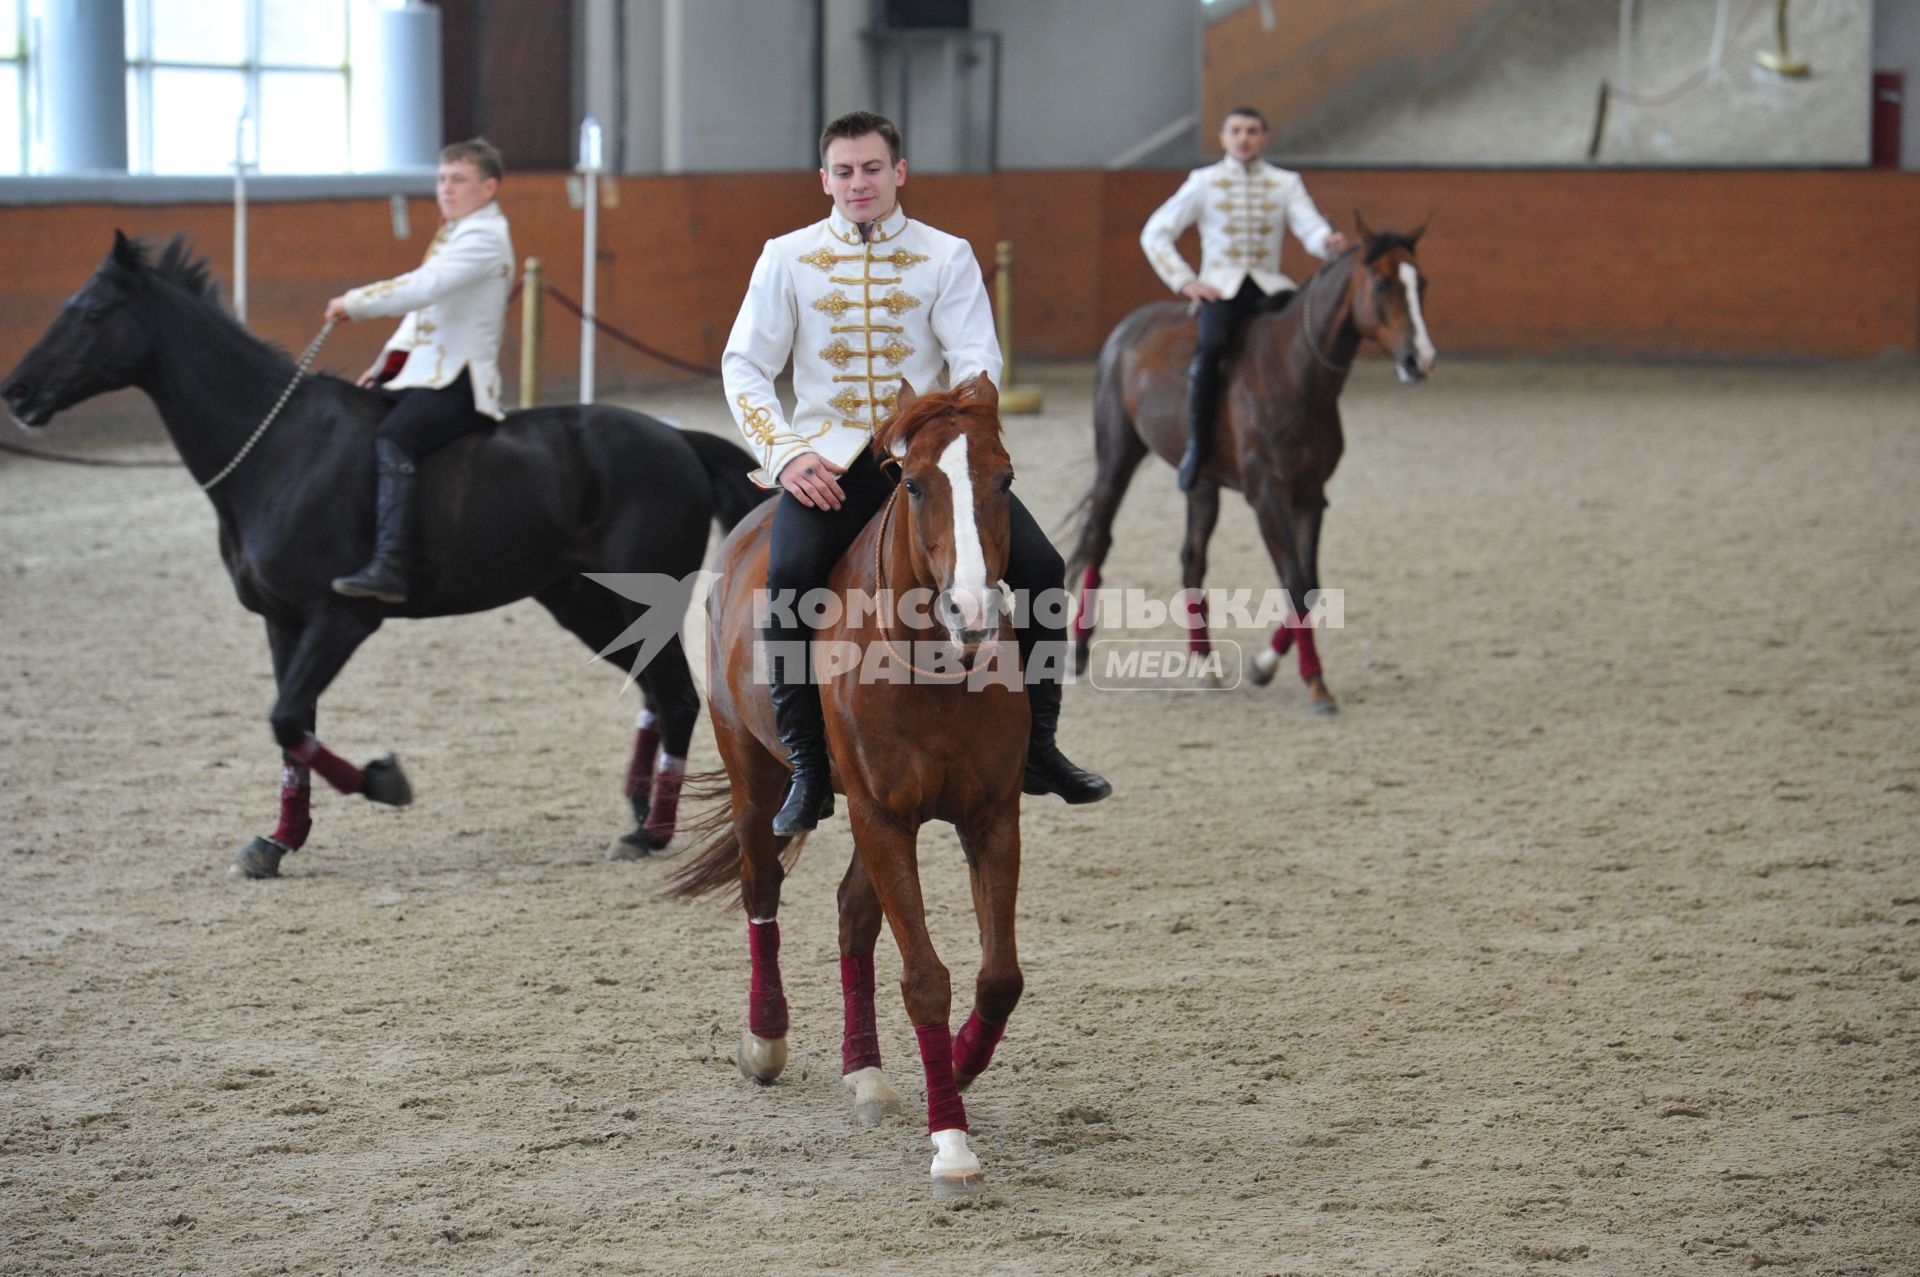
(590, 169)
(242, 163)
(1782, 63)
(532, 302)
(1013, 398)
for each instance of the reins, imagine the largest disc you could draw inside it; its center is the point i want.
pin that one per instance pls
(306, 362)
(1306, 306)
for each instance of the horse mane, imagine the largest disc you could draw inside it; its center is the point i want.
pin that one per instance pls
(191, 276)
(962, 401)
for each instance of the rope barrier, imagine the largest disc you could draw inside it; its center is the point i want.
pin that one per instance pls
(628, 339)
(41, 454)
(1698, 78)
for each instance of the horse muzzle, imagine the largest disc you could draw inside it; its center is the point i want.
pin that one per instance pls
(1413, 369)
(29, 409)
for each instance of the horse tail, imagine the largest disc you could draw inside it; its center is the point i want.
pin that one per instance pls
(727, 465)
(716, 857)
(1110, 415)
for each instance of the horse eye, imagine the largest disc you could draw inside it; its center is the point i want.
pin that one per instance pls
(1006, 483)
(94, 314)
(913, 489)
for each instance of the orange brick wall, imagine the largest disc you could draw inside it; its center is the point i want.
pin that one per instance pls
(1665, 264)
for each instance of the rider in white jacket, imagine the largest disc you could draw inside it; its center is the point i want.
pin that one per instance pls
(445, 356)
(1244, 206)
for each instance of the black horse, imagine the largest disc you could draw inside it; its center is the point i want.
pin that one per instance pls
(518, 511)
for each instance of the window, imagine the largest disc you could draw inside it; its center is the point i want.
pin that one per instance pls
(13, 89)
(194, 65)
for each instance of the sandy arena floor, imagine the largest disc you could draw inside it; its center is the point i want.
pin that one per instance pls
(1584, 941)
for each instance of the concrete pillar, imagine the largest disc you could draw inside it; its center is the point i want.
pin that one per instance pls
(83, 84)
(397, 121)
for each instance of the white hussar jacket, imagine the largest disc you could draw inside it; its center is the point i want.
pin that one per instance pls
(1236, 206)
(455, 303)
(856, 319)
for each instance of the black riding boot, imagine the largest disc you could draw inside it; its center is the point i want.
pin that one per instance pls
(1048, 770)
(385, 576)
(797, 719)
(1203, 397)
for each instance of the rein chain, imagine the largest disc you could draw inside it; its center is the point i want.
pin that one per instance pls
(306, 362)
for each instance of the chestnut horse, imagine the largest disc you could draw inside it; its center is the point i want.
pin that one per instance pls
(1278, 436)
(916, 733)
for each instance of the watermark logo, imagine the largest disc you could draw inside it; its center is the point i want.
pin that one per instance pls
(1164, 665)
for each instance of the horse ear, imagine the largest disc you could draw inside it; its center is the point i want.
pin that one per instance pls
(1366, 231)
(902, 400)
(980, 389)
(1413, 236)
(124, 253)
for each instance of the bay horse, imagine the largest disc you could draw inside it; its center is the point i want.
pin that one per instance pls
(1277, 437)
(909, 745)
(517, 511)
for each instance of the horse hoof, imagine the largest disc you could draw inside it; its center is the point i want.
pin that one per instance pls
(642, 805)
(1266, 662)
(1323, 709)
(258, 859)
(761, 1059)
(386, 783)
(956, 1171)
(638, 845)
(874, 1099)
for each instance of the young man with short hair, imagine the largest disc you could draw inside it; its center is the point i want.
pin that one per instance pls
(1235, 202)
(861, 301)
(444, 357)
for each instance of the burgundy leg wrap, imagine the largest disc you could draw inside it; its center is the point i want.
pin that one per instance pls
(1194, 604)
(646, 744)
(666, 796)
(333, 769)
(945, 1112)
(1309, 655)
(1083, 623)
(973, 1049)
(296, 818)
(860, 1043)
(1282, 641)
(767, 1002)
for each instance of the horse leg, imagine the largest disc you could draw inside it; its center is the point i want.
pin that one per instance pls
(1203, 512)
(1278, 530)
(307, 665)
(1120, 453)
(888, 854)
(261, 857)
(992, 846)
(1307, 539)
(758, 786)
(674, 703)
(860, 917)
(598, 617)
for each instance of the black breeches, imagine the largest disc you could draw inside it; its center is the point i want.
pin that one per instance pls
(426, 420)
(808, 542)
(1220, 320)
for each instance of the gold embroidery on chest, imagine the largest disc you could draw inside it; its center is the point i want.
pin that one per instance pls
(835, 303)
(847, 401)
(897, 302)
(894, 351)
(824, 258)
(900, 259)
(839, 354)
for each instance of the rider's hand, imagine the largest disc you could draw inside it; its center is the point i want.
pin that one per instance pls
(371, 377)
(1337, 243)
(337, 310)
(1200, 292)
(810, 478)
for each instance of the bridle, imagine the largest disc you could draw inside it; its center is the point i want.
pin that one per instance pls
(880, 583)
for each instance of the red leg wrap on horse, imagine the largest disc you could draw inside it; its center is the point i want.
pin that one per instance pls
(1083, 623)
(1282, 641)
(296, 818)
(767, 1002)
(945, 1112)
(973, 1049)
(1194, 604)
(333, 769)
(1309, 654)
(646, 744)
(665, 808)
(860, 1044)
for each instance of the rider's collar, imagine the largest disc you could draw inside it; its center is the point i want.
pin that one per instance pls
(880, 232)
(1248, 169)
